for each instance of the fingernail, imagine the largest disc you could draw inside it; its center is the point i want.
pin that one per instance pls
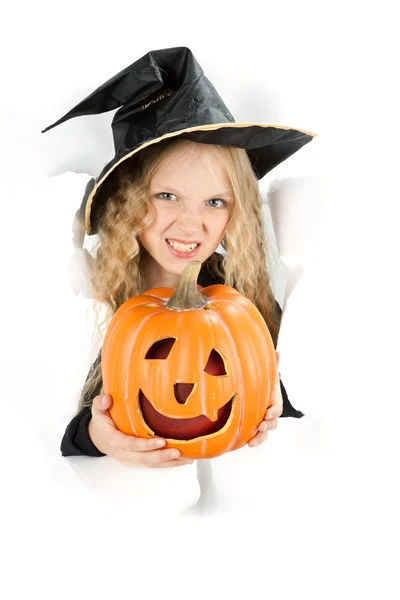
(174, 453)
(188, 461)
(263, 427)
(159, 443)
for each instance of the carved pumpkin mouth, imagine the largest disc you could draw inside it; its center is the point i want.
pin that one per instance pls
(183, 429)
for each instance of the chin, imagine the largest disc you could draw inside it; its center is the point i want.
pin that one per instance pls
(176, 267)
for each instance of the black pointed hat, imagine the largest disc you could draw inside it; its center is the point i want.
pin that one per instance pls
(165, 94)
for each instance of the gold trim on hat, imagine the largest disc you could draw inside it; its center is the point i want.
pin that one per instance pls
(174, 134)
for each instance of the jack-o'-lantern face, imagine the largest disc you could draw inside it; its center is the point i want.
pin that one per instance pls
(201, 377)
(179, 409)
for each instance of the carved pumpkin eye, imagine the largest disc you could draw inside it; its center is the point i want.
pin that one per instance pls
(160, 349)
(215, 364)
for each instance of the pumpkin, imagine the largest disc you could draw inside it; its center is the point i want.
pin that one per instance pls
(193, 365)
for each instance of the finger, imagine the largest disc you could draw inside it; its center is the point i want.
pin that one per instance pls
(268, 425)
(278, 357)
(157, 457)
(258, 439)
(101, 404)
(137, 444)
(273, 412)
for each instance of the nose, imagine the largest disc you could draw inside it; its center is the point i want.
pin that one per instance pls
(182, 391)
(190, 222)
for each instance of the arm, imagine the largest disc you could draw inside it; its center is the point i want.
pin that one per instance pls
(76, 440)
(288, 409)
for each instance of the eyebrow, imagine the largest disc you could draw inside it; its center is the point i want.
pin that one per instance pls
(172, 189)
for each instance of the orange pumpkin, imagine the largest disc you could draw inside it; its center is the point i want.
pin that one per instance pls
(193, 365)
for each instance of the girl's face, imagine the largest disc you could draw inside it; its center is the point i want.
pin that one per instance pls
(191, 194)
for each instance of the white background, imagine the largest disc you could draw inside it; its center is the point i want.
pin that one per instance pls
(312, 512)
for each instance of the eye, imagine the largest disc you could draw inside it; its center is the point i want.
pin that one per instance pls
(224, 202)
(215, 364)
(160, 349)
(164, 194)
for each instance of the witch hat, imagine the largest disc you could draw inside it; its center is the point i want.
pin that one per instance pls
(165, 94)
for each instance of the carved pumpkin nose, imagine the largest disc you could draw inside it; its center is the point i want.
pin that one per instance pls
(182, 391)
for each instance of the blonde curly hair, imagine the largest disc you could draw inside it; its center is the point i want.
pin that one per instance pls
(118, 270)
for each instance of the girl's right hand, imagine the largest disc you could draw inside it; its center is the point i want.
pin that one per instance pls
(129, 450)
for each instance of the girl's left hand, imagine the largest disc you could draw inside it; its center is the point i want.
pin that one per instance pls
(271, 416)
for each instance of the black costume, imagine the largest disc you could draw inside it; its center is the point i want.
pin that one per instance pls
(76, 440)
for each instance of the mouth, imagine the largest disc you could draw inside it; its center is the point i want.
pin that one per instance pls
(182, 250)
(182, 429)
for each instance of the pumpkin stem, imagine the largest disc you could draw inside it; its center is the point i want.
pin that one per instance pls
(187, 296)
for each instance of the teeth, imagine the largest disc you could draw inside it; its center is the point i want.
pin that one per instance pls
(182, 247)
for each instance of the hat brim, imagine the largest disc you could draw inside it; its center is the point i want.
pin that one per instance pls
(267, 146)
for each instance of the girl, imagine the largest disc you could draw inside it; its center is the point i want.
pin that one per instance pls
(183, 181)
(162, 202)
